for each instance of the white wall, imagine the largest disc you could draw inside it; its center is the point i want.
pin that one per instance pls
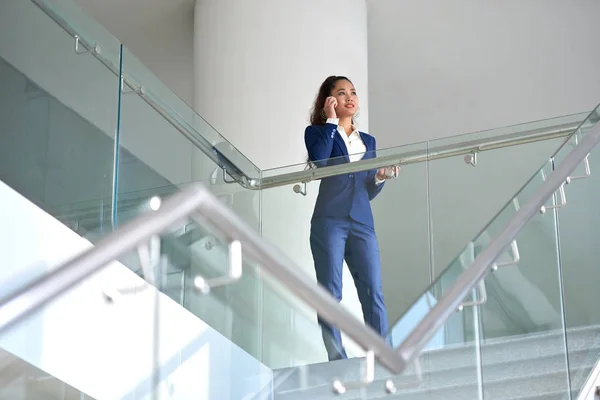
(259, 65)
(106, 349)
(439, 68)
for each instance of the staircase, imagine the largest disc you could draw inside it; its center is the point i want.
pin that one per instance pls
(21, 380)
(527, 367)
(236, 340)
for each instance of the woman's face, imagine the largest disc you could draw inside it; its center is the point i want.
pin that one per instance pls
(347, 99)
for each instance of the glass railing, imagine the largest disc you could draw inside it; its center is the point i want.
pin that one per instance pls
(83, 119)
(150, 345)
(250, 313)
(61, 155)
(21, 380)
(97, 152)
(509, 336)
(93, 138)
(409, 240)
(528, 326)
(477, 354)
(53, 151)
(438, 202)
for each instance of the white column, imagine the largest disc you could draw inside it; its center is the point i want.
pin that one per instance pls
(258, 67)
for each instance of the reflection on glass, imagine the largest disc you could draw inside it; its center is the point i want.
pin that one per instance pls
(280, 331)
(521, 318)
(58, 151)
(451, 356)
(58, 125)
(464, 197)
(578, 231)
(24, 381)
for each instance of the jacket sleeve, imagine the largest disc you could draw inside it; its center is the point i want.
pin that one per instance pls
(372, 188)
(319, 143)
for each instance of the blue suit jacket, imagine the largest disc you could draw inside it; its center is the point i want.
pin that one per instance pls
(347, 195)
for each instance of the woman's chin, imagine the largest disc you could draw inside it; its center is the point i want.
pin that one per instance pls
(346, 114)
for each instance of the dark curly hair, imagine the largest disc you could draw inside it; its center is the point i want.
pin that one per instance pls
(316, 115)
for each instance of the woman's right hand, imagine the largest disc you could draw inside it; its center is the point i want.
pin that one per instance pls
(329, 108)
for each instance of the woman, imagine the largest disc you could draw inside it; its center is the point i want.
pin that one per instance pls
(342, 225)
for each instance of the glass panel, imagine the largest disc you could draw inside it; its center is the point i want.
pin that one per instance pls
(171, 149)
(485, 338)
(152, 152)
(149, 344)
(190, 247)
(464, 197)
(523, 343)
(124, 325)
(23, 381)
(58, 118)
(272, 326)
(58, 125)
(79, 22)
(450, 362)
(92, 219)
(155, 153)
(579, 223)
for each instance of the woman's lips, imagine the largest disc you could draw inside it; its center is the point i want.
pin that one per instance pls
(349, 106)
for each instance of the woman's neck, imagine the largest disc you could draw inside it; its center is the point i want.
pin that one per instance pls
(346, 123)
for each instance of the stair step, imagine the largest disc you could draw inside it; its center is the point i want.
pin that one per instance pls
(530, 387)
(520, 367)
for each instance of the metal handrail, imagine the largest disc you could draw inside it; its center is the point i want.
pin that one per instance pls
(198, 201)
(195, 202)
(417, 156)
(406, 158)
(414, 343)
(240, 177)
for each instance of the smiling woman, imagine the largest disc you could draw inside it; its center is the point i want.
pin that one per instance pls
(342, 226)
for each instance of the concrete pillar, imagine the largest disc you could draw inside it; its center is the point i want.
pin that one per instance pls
(258, 66)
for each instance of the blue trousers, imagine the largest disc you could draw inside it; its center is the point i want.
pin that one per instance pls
(333, 240)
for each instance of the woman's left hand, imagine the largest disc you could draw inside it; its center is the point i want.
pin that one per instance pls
(387, 173)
